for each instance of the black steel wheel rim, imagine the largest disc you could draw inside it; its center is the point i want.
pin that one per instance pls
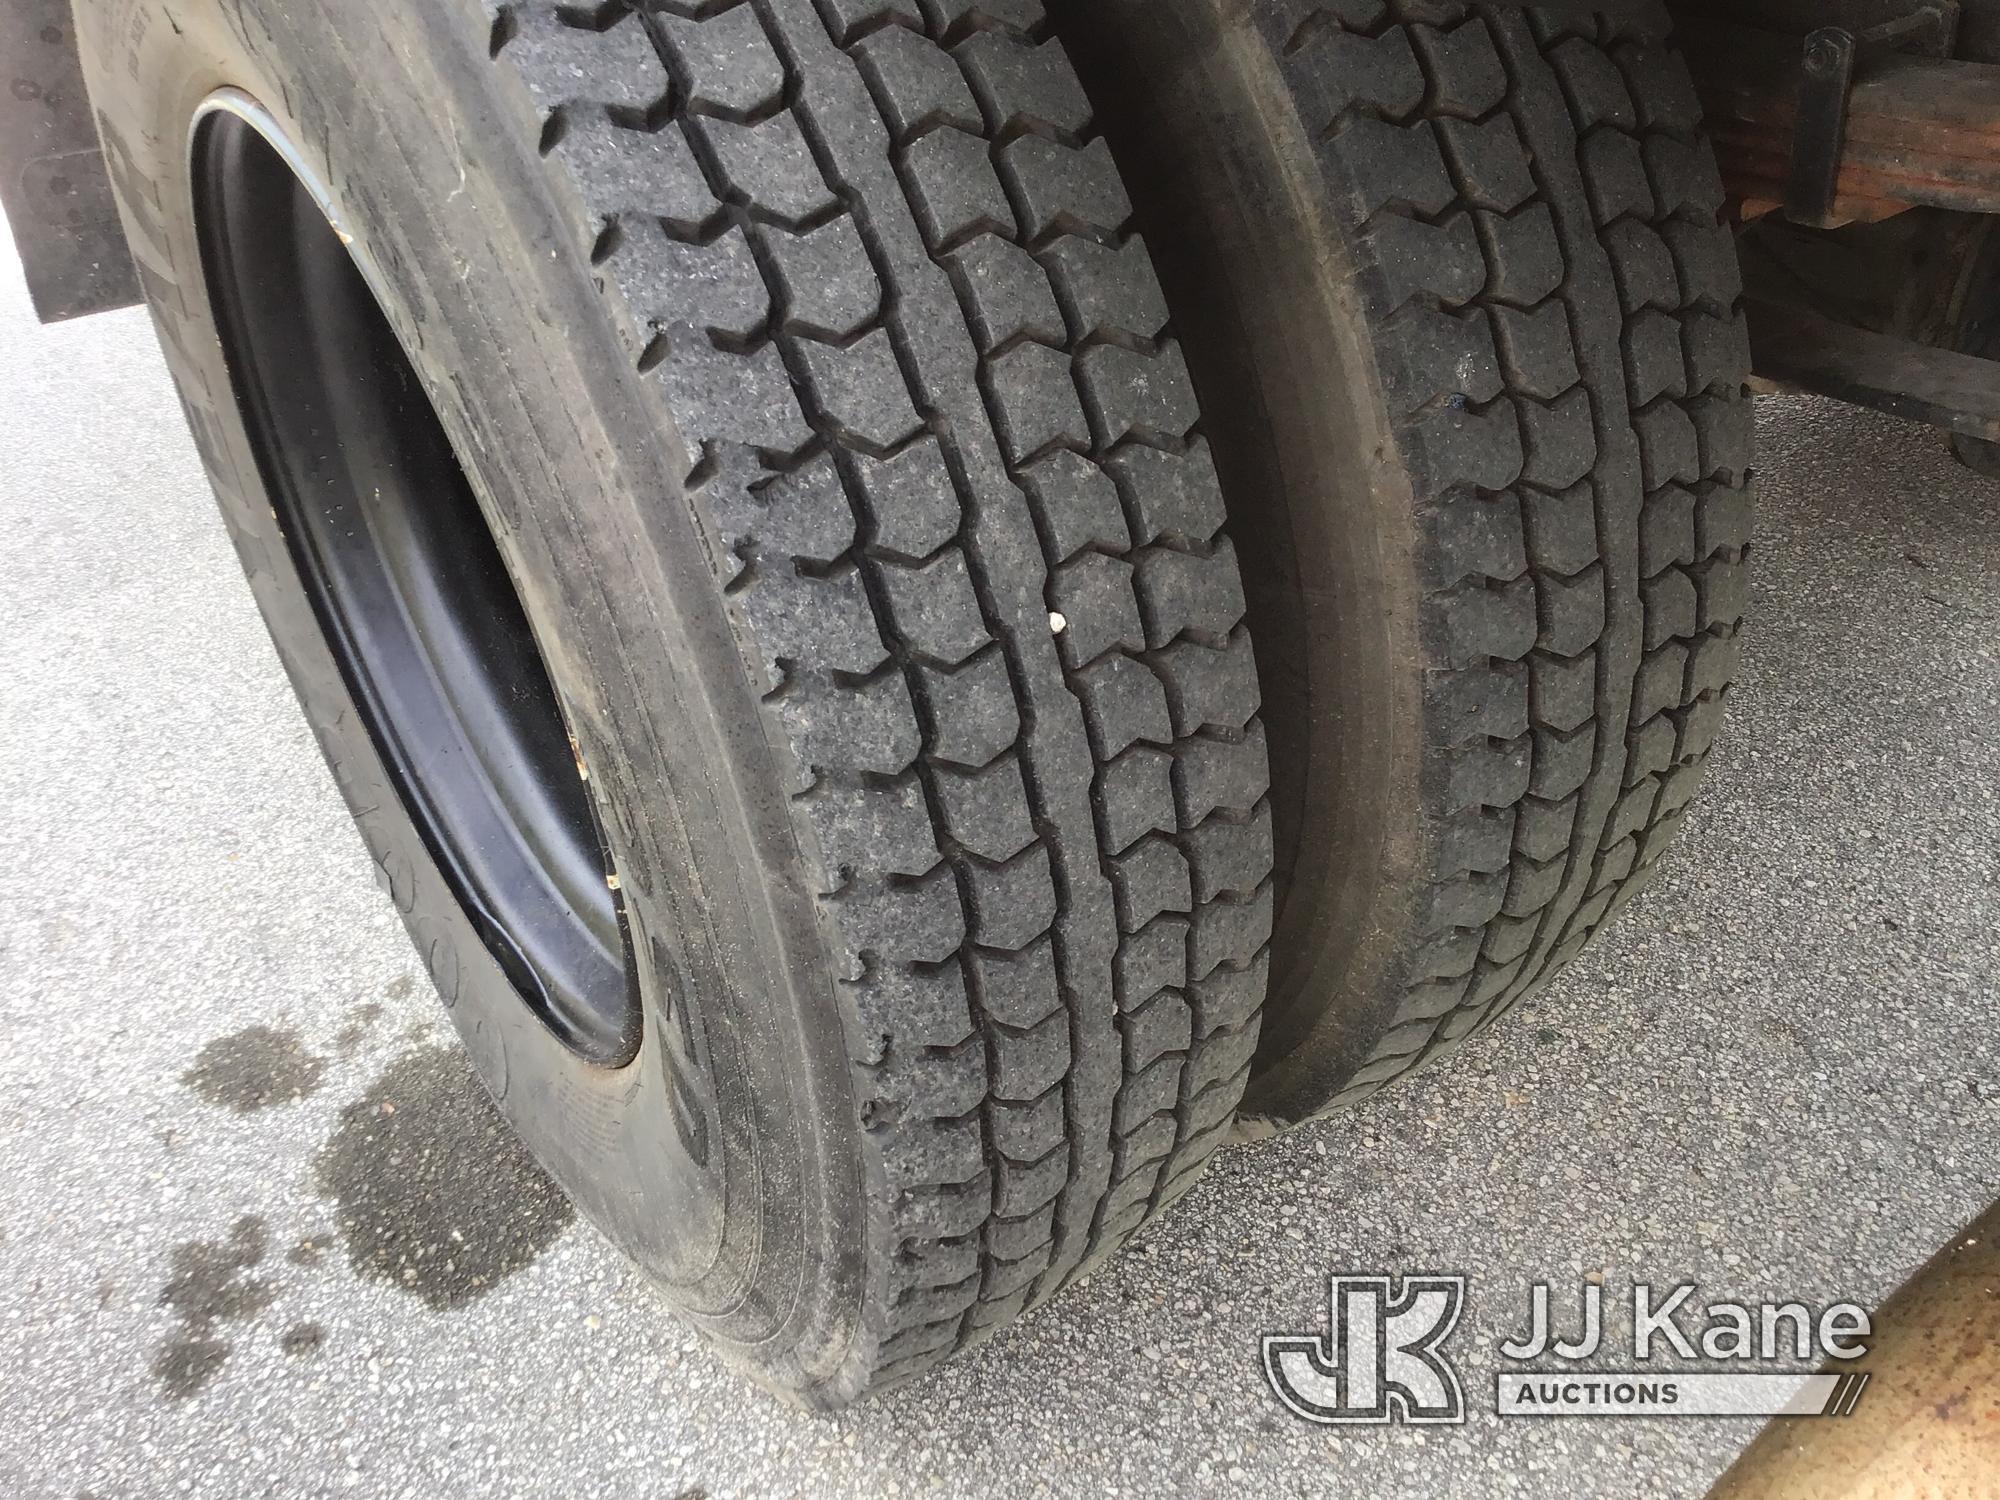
(411, 591)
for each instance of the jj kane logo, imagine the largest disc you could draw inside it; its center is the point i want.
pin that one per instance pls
(1382, 1357)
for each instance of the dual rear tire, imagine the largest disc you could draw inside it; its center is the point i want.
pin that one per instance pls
(1472, 355)
(853, 583)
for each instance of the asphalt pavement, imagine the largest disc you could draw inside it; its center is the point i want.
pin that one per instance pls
(261, 1234)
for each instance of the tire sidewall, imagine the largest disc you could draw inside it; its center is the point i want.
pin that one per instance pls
(724, 1156)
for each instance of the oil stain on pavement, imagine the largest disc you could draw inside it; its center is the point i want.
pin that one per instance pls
(210, 1286)
(361, 1020)
(253, 1069)
(433, 1192)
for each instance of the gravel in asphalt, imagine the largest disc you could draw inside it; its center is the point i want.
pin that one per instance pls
(261, 1233)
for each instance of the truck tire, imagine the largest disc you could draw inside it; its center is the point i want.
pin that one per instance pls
(739, 454)
(1468, 338)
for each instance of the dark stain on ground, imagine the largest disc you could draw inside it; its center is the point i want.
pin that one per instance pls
(1781, 1030)
(308, 1251)
(254, 1068)
(210, 1286)
(399, 988)
(433, 1192)
(361, 1020)
(302, 1339)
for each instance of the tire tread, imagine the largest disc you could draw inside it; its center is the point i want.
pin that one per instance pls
(1557, 317)
(875, 259)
